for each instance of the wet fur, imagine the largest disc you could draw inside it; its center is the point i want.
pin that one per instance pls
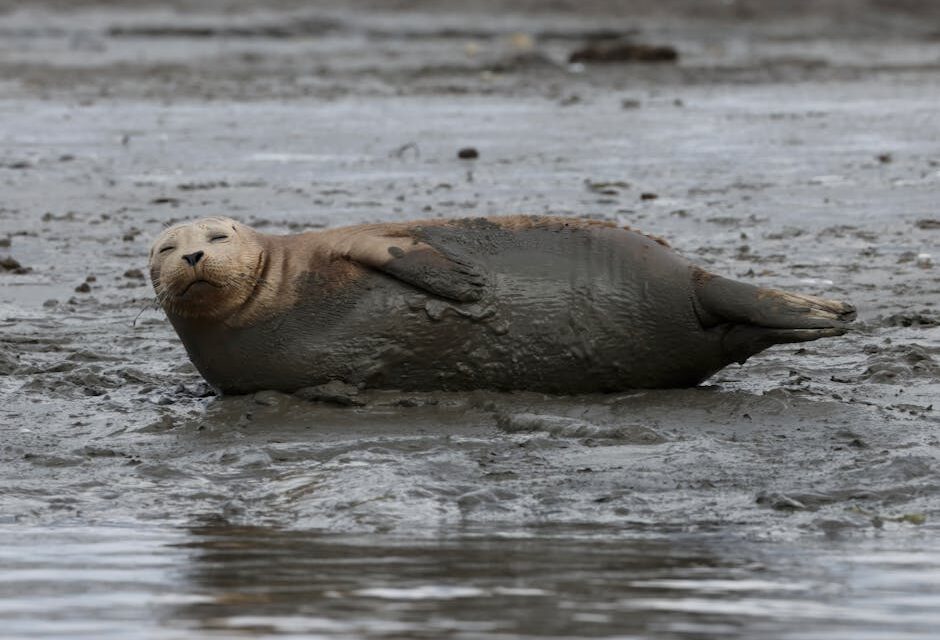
(524, 302)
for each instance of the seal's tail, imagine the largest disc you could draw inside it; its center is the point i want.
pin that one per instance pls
(764, 317)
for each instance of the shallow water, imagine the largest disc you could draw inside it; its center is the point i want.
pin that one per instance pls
(793, 497)
(571, 582)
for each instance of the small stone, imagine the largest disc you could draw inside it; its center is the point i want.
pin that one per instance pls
(780, 502)
(166, 200)
(83, 288)
(648, 196)
(91, 279)
(137, 274)
(608, 51)
(8, 263)
(913, 518)
(522, 42)
(468, 153)
(269, 398)
(335, 392)
(164, 423)
(885, 158)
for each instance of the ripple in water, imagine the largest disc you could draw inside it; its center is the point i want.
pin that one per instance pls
(223, 581)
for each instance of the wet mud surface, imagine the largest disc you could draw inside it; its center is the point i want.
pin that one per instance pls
(791, 496)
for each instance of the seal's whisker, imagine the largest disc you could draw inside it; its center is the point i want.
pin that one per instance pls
(155, 303)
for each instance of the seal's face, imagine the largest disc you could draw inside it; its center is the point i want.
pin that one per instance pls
(205, 269)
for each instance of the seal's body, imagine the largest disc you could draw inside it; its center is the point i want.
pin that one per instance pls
(548, 304)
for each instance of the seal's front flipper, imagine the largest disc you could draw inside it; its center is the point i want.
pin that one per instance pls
(427, 268)
(720, 300)
(420, 265)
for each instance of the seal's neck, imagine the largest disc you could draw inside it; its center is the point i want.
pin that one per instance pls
(267, 294)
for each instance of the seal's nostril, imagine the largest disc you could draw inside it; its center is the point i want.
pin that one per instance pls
(193, 258)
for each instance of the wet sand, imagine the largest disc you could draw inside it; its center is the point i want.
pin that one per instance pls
(790, 496)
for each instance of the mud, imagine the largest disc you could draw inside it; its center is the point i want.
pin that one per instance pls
(791, 496)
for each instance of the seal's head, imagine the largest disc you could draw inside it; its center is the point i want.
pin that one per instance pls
(206, 269)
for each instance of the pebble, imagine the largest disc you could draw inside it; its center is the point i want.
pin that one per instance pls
(9, 263)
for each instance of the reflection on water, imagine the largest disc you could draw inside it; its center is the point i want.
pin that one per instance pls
(218, 580)
(88, 582)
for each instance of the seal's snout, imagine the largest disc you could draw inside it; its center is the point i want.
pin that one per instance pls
(192, 258)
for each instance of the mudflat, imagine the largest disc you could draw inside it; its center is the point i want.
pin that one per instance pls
(794, 494)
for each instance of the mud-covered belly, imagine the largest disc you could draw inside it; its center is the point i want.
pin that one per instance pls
(518, 337)
(533, 330)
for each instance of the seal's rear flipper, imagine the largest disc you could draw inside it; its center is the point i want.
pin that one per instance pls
(740, 342)
(720, 301)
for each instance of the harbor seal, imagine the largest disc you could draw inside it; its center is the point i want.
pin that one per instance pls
(551, 304)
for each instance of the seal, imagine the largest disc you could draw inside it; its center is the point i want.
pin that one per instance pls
(551, 304)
